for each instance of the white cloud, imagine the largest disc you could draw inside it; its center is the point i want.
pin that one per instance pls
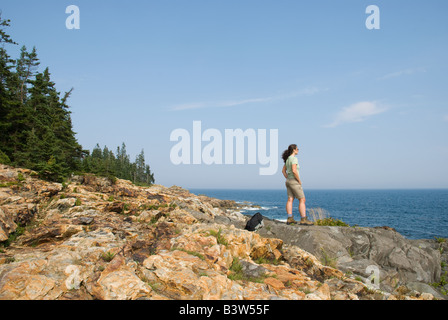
(231, 103)
(357, 112)
(402, 73)
(240, 102)
(186, 106)
(217, 104)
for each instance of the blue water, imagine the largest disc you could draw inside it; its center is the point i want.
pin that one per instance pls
(416, 214)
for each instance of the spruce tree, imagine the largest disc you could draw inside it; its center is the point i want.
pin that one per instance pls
(36, 130)
(35, 125)
(6, 99)
(105, 163)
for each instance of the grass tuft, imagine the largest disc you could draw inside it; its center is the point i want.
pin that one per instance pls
(321, 217)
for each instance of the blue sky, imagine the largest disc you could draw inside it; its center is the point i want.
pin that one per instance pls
(368, 108)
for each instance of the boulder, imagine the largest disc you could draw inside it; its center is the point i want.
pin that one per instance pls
(424, 288)
(354, 249)
(7, 224)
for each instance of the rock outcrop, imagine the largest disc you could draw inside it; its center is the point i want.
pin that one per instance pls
(96, 238)
(359, 251)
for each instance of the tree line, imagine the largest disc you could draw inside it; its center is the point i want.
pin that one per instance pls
(104, 162)
(36, 129)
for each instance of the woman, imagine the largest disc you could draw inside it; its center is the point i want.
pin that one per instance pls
(294, 185)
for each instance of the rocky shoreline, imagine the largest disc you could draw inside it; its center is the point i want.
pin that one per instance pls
(97, 238)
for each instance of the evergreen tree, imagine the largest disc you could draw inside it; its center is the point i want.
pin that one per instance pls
(35, 124)
(4, 159)
(104, 162)
(5, 38)
(109, 162)
(142, 171)
(124, 164)
(149, 177)
(36, 130)
(140, 167)
(26, 66)
(19, 116)
(6, 79)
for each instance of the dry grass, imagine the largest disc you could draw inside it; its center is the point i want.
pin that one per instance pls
(321, 217)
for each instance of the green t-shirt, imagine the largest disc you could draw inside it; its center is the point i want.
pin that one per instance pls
(289, 162)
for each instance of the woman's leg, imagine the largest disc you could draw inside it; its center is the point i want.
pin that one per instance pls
(290, 219)
(289, 206)
(302, 207)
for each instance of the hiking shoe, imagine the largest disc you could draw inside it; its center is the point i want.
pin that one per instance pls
(291, 221)
(306, 222)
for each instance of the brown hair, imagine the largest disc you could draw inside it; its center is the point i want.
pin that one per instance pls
(288, 152)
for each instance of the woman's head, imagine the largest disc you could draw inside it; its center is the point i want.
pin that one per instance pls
(289, 151)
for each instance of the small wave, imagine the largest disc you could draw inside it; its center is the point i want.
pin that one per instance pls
(257, 208)
(249, 209)
(244, 202)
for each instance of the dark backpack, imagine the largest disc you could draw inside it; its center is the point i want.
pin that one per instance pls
(255, 222)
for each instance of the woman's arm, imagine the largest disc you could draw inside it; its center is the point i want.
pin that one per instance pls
(284, 172)
(296, 174)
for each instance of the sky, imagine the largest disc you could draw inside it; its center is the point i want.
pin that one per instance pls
(367, 107)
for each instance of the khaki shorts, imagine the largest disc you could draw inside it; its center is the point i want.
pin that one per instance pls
(294, 189)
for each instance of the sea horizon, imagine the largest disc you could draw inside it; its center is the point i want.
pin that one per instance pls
(318, 189)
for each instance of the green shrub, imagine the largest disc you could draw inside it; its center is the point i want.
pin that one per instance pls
(4, 159)
(219, 237)
(322, 218)
(236, 273)
(107, 256)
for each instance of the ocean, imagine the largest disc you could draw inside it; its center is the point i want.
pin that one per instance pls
(416, 214)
